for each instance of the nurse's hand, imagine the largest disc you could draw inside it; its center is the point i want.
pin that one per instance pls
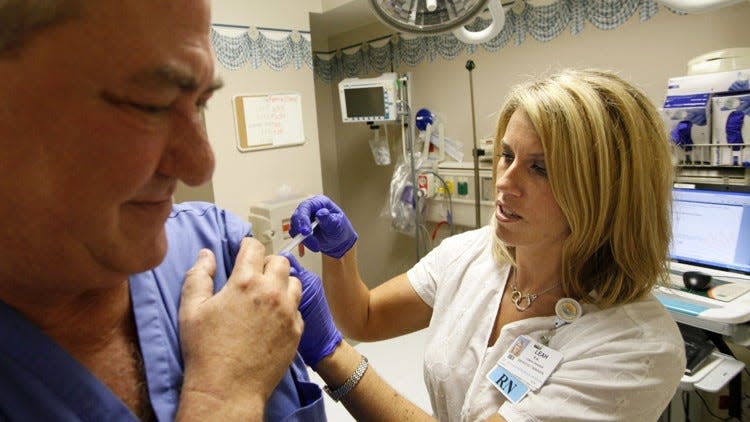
(238, 343)
(334, 235)
(320, 337)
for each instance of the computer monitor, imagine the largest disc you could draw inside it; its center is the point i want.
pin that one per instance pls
(711, 226)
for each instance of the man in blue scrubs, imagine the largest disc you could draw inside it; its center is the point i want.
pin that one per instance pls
(100, 117)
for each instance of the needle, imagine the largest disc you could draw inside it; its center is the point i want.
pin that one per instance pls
(296, 240)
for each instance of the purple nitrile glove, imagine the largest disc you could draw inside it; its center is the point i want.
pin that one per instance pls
(697, 117)
(320, 336)
(744, 105)
(739, 85)
(334, 235)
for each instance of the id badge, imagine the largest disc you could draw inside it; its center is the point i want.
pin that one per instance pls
(530, 361)
(511, 387)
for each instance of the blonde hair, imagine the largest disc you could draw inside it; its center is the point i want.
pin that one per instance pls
(21, 18)
(609, 168)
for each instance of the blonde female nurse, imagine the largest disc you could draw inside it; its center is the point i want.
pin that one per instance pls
(578, 239)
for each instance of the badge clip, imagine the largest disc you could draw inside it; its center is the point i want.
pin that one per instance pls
(567, 310)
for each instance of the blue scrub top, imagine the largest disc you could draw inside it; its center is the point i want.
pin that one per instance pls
(40, 381)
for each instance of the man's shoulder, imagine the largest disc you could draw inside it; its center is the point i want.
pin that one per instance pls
(205, 216)
(195, 225)
(188, 218)
(192, 209)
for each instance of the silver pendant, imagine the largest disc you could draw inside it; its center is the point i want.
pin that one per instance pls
(521, 302)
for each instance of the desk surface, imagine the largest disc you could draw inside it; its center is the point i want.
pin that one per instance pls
(724, 317)
(727, 317)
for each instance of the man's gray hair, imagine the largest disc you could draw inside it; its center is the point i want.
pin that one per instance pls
(21, 18)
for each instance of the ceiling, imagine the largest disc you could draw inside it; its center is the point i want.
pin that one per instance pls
(344, 18)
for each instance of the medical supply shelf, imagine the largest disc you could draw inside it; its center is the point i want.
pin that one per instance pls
(713, 154)
(712, 170)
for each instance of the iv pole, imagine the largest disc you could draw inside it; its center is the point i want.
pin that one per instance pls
(405, 113)
(475, 151)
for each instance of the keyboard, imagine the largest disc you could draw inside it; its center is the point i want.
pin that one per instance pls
(697, 347)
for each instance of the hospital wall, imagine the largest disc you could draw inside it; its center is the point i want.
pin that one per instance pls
(242, 178)
(646, 53)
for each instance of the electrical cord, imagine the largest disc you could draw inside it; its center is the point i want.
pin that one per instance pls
(421, 233)
(709, 410)
(449, 217)
(426, 238)
(685, 405)
(436, 228)
(685, 398)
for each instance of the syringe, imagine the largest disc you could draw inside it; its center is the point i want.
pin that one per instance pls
(296, 240)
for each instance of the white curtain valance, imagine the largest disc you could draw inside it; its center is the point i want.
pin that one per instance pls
(544, 23)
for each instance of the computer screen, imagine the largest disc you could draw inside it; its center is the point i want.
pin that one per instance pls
(711, 227)
(365, 102)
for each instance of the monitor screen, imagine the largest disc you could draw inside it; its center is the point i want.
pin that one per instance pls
(711, 227)
(365, 102)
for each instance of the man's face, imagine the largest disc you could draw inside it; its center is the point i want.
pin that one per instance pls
(100, 118)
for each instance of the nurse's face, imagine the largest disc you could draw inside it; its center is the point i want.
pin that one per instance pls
(527, 214)
(101, 118)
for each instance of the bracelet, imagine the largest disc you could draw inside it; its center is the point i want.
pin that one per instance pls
(338, 393)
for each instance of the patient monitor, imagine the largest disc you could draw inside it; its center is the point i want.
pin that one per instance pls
(369, 99)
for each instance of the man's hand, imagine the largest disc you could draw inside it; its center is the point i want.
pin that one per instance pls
(237, 344)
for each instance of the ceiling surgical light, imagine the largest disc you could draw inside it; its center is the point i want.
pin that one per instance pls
(430, 17)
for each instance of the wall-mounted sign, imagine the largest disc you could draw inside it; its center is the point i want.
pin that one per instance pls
(268, 121)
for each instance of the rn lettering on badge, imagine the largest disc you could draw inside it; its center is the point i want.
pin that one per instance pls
(510, 386)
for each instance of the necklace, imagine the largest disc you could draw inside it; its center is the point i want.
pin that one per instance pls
(523, 301)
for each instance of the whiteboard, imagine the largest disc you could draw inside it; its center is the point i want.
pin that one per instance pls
(268, 120)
